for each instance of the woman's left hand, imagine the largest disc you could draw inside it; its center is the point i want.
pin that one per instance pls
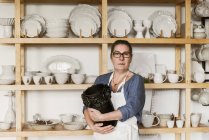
(95, 115)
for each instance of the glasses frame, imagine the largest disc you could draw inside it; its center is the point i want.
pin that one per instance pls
(121, 54)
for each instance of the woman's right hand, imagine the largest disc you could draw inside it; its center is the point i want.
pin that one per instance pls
(97, 127)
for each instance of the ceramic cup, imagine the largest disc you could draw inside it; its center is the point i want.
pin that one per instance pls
(37, 80)
(195, 119)
(8, 31)
(48, 80)
(199, 77)
(159, 78)
(179, 123)
(26, 79)
(170, 123)
(175, 78)
(148, 119)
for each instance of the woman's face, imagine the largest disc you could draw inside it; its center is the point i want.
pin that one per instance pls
(121, 57)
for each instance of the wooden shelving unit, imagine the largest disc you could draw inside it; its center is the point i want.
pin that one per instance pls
(102, 42)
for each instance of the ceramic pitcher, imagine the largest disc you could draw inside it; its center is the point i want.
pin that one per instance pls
(8, 72)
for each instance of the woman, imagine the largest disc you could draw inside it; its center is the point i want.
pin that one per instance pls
(128, 98)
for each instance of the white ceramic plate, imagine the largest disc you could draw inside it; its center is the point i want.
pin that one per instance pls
(163, 20)
(31, 28)
(60, 64)
(85, 24)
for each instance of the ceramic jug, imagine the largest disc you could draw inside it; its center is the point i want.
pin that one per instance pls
(8, 72)
(204, 97)
(10, 114)
(99, 97)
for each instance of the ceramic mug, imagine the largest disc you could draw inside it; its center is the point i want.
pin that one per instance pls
(158, 78)
(170, 123)
(48, 80)
(179, 123)
(195, 119)
(148, 119)
(199, 77)
(175, 78)
(37, 80)
(26, 79)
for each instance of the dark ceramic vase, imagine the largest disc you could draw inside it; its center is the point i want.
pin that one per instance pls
(99, 98)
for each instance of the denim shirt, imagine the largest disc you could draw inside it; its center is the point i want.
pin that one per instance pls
(134, 93)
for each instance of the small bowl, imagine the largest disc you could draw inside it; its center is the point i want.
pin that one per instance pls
(79, 118)
(61, 78)
(78, 78)
(74, 126)
(90, 79)
(5, 125)
(66, 118)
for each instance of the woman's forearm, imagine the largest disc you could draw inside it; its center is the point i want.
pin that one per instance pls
(88, 118)
(114, 115)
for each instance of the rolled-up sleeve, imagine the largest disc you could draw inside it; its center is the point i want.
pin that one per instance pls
(135, 99)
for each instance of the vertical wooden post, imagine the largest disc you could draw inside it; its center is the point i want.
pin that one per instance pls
(19, 12)
(103, 51)
(178, 51)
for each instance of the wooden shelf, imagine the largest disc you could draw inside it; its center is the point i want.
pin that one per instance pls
(160, 130)
(27, 133)
(172, 41)
(8, 133)
(166, 86)
(45, 87)
(201, 128)
(96, 1)
(85, 86)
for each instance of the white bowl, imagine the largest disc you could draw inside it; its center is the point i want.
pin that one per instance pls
(5, 125)
(79, 118)
(90, 79)
(74, 125)
(66, 118)
(61, 78)
(78, 78)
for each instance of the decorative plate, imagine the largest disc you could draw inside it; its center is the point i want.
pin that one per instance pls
(60, 64)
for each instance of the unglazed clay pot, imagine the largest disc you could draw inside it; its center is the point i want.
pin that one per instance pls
(99, 97)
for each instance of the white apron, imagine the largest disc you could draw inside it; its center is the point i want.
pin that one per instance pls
(127, 130)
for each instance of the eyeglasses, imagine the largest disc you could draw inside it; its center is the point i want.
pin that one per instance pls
(118, 54)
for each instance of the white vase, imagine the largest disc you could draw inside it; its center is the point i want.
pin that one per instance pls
(8, 72)
(10, 114)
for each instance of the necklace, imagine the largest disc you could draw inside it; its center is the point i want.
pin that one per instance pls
(120, 79)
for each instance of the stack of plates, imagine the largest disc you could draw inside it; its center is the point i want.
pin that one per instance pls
(119, 22)
(33, 26)
(85, 20)
(57, 28)
(7, 21)
(163, 21)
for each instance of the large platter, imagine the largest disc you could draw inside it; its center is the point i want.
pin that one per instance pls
(60, 64)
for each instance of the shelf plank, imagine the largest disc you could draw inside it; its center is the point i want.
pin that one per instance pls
(56, 87)
(61, 40)
(166, 86)
(149, 41)
(201, 128)
(199, 85)
(8, 133)
(160, 130)
(27, 133)
(96, 1)
(173, 41)
(85, 86)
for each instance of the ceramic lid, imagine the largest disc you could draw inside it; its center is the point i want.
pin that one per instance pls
(199, 29)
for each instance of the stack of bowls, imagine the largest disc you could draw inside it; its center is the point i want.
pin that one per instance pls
(6, 27)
